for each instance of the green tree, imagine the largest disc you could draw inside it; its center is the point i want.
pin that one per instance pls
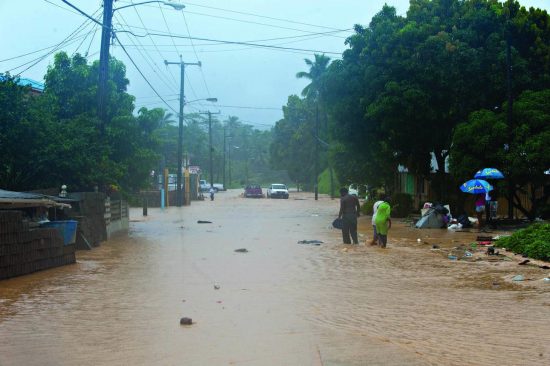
(522, 153)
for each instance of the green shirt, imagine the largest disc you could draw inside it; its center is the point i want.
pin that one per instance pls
(382, 217)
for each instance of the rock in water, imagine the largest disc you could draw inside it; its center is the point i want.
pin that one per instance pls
(186, 321)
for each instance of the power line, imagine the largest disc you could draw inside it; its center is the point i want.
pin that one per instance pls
(66, 41)
(142, 75)
(195, 52)
(150, 62)
(91, 40)
(234, 42)
(255, 23)
(260, 16)
(172, 78)
(305, 37)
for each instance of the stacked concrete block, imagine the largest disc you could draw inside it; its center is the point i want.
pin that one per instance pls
(24, 250)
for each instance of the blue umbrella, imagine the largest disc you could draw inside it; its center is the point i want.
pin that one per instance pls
(476, 186)
(489, 173)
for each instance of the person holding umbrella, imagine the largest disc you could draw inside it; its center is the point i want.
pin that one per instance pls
(489, 173)
(478, 187)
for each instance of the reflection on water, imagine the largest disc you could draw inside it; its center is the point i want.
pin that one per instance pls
(279, 304)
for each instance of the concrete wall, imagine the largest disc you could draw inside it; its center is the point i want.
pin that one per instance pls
(25, 250)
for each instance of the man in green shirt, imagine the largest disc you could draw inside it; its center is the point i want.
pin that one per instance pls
(383, 223)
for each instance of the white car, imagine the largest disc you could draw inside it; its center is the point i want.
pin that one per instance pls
(277, 190)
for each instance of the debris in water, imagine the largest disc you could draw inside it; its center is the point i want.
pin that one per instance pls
(435, 246)
(522, 263)
(518, 278)
(186, 321)
(241, 250)
(544, 267)
(216, 286)
(314, 242)
(204, 222)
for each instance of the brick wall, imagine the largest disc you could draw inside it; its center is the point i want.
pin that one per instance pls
(24, 250)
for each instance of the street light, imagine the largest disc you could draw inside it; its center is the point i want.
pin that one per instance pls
(176, 6)
(107, 28)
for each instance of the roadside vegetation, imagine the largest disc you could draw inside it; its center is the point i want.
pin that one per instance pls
(533, 241)
(424, 91)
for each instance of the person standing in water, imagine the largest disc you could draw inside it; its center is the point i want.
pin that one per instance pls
(212, 191)
(383, 223)
(349, 212)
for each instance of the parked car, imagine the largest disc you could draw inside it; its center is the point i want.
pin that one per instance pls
(253, 190)
(277, 190)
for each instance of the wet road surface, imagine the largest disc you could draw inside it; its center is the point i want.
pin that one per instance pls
(280, 303)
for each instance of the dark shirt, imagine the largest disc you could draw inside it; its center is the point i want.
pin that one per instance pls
(349, 205)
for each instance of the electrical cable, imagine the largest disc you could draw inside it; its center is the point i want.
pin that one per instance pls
(144, 56)
(59, 6)
(172, 78)
(91, 40)
(258, 45)
(196, 55)
(84, 39)
(258, 16)
(142, 75)
(66, 41)
(255, 23)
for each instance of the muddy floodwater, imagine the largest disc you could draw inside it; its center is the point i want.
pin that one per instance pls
(278, 302)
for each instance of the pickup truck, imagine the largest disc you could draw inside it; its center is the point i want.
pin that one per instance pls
(277, 190)
(205, 187)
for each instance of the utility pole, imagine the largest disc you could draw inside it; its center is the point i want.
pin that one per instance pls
(315, 183)
(104, 64)
(179, 193)
(224, 150)
(210, 140)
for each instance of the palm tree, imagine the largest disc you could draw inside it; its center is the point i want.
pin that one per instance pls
(167, 119)
(317, 69)
(314, 90)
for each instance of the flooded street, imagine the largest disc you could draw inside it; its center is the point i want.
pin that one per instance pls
(279, 303)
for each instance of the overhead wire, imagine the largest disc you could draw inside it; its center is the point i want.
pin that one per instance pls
(71, 38)
(190, 85)
(94, 28)
(196, 55)
(172, 77)
(255, 23)
(258, 45)
(142, 75)
(91, 40)
(253, 15)
(148, 59)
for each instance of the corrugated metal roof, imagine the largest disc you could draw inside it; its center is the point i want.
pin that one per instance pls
(35, 85)
(21, 199)
(21, 195)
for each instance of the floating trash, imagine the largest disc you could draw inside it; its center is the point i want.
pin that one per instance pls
(518, 278)
(241, 250)
(452, 257)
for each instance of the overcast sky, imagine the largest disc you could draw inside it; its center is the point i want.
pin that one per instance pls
(251, 83)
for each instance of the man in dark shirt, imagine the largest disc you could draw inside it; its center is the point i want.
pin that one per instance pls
(349, 212)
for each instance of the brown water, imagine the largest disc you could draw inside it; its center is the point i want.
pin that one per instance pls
(281, 303)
